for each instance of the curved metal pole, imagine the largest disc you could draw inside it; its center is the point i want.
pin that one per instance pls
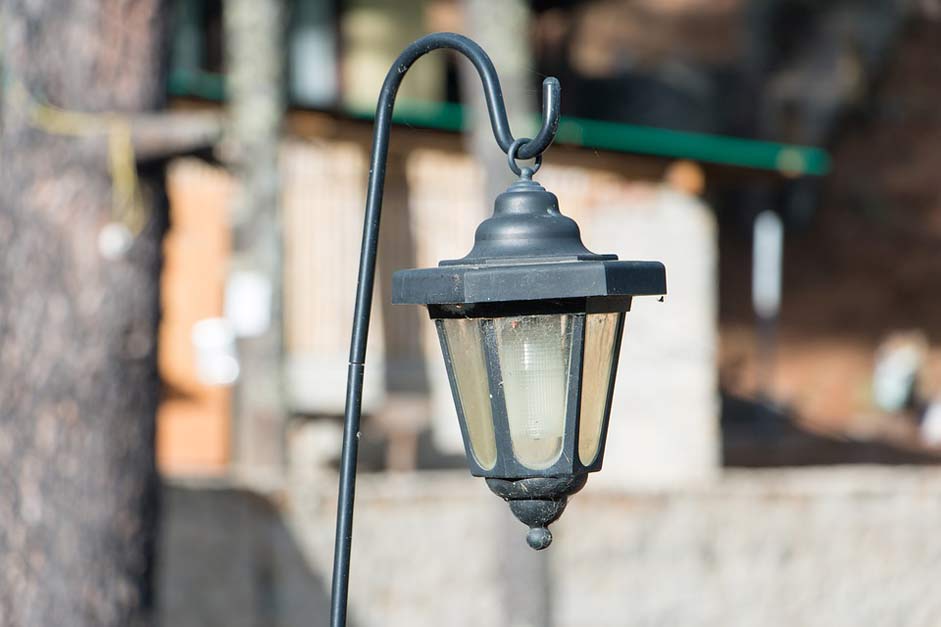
(367, 260)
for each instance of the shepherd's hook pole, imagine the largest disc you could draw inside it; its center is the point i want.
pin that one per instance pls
(367, 260)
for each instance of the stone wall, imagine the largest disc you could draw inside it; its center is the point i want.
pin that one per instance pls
(823, 546)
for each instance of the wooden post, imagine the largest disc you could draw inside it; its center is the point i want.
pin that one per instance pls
(254, 32)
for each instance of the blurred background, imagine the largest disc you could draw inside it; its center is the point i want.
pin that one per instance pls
(181, 200)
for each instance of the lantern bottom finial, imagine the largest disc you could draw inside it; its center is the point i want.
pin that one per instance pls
(537, 502)
(539, 538)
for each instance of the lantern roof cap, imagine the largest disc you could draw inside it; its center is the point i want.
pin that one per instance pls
(527, 250)
(526, 225)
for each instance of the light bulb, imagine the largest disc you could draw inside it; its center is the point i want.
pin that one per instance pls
(534, 361)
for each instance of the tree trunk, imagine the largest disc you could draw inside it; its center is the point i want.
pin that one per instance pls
(78, 370)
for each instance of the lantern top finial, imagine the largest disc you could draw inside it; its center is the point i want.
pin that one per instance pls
(526, 225)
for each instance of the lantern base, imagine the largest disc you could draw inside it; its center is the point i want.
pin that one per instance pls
(537, 502)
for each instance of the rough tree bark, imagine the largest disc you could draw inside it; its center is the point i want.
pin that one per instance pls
(78, 376)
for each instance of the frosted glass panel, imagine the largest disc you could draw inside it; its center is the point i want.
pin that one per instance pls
(463, 339)
(600, 336)
(534, 354)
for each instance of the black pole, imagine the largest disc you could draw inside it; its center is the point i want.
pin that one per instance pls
(367, 260)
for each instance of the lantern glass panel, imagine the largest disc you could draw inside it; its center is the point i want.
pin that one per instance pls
(534, 354)
(600, 338)
(469, 369)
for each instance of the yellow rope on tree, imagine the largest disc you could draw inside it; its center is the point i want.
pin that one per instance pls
(127, 204)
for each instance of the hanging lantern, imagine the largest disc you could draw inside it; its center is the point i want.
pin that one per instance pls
(530, 325)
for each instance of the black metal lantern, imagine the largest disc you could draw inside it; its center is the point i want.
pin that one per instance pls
(530, 325)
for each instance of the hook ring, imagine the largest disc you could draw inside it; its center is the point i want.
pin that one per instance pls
(511, 158)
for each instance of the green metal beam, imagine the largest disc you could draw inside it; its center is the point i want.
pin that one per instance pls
(196, 83)
(787, 159)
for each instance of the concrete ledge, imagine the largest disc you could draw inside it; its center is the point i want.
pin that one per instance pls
(813, 547)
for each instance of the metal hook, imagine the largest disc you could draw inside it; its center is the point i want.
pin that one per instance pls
(493, 94)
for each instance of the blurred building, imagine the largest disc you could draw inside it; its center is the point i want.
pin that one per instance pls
(684, 120)
(435, 198)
